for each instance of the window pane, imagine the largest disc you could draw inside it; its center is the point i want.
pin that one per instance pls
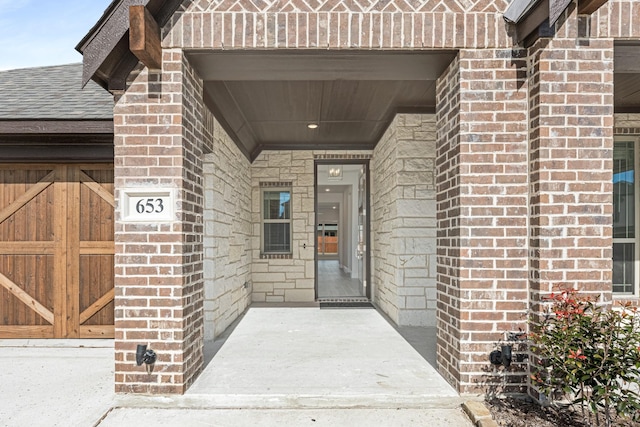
(623, 190)
(277, 237)
(277, 205)
(623, 255)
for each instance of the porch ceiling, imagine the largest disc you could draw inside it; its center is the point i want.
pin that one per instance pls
(265, 100)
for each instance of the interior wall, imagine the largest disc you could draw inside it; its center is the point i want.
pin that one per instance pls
(348, 215)
(403, 205)
(227, 239)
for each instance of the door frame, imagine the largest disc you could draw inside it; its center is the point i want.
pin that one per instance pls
(366, 163)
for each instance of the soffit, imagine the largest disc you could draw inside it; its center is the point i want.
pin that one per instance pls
(265, 100)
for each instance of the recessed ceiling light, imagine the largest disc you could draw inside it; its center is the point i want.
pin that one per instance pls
(334, 207)
(327, 189)
(312, 125)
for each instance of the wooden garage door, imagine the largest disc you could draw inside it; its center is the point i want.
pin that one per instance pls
(56, 251)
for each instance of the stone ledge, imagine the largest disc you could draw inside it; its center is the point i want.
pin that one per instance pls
(479, 414)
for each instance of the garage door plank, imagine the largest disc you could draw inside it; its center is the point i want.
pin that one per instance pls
(26, 298)
(27, 196)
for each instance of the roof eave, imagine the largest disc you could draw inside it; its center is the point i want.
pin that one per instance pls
(518, 9)
(106, 56)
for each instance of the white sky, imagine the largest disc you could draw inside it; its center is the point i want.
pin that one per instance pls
(45, 32)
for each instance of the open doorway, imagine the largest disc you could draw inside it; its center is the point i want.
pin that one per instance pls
(342, 225)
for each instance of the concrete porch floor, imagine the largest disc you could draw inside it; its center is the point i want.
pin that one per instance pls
(279, 366)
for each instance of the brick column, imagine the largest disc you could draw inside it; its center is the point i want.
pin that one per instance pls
(482, 212)
(158, 265)
(571, 103)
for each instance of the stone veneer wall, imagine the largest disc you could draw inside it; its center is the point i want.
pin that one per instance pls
(403, 209)
(626, 124)
(285, 280)
(227, 228)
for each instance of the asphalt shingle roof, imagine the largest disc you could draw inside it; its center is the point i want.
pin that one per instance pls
(52, 93)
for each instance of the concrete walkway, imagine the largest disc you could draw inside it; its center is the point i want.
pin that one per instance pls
(55, 382)
(280, 366)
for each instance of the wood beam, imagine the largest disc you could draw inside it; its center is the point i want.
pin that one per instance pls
(538, 14)
(587, 7)
(144, 37)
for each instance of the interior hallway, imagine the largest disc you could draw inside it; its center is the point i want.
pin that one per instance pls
(334, 282)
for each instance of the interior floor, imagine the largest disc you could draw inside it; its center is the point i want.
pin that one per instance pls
(334, 282)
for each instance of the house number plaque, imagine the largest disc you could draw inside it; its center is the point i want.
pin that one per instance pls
(147, 205)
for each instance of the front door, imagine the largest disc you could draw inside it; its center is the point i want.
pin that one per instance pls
(57, 251)
(342, 251)
(363, 235)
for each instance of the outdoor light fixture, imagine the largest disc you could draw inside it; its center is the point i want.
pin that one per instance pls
(501, 357)
(146, 356)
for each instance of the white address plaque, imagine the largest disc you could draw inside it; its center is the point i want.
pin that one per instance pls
(147, 205)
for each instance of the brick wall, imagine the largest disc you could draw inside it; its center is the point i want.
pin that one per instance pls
(158, 266)
(571, 165)
(448, 225)
(340, 25)
(571, 162)
(424, 24)
(404, 221)
(482, 210)
(616, 18)
(483, 174)
(227, 228)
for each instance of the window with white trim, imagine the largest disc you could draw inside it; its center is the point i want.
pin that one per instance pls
(276, 220)
(626, 273)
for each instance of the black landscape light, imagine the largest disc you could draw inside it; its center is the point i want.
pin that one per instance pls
(146, 356)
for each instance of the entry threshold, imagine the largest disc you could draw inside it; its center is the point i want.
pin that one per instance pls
(345, 302)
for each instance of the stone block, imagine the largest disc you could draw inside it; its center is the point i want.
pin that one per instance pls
(411, 291)
(416, 208)
(282, 159)
(476, 411)
(290, 284)
(305, 283)
(258, 297)
(418, 272)
(299, 295)
(268, 277)
(414, 302)
(259, 287)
